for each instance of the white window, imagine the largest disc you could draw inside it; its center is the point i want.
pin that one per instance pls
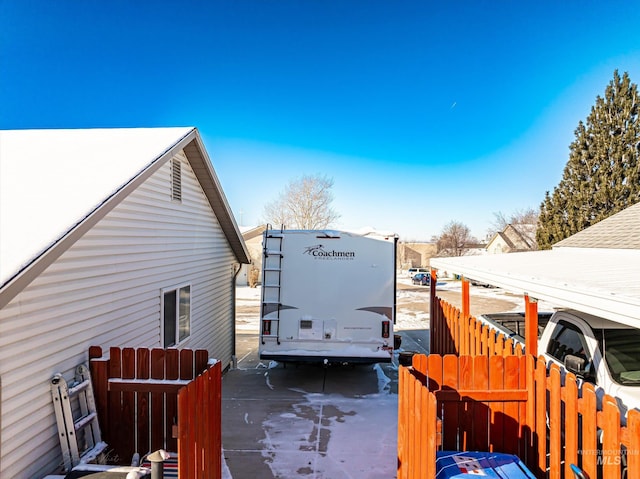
(176, 315)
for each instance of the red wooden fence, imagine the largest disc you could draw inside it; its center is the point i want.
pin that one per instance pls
(149, 399)
(452, 333)
(417, 428)
(199, 431)
(481, 404)
(512, 403)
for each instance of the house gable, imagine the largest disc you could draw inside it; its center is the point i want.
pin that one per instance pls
(101, 167)
(514, 238)
(106, 289)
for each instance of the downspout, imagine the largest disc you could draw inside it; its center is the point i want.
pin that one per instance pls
(234, 359)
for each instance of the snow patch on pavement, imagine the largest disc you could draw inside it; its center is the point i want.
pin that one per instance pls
(316, 440)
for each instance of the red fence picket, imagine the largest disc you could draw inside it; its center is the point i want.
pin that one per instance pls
(199, 432)
(451, 333)
(137, 398)
(496, 399)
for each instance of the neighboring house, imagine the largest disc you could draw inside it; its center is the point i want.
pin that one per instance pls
(108, 237)
(514, 238)
(412, 255)
(253, 239)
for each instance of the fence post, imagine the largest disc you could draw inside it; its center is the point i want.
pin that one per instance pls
(555, 424)
(402, 420)
(531, 326)
(610, 437)
(570, 423)
(465, 297)
(531, 409)
(541, 414)
(432, 424)
(588, 409)
(633, 454)
(99, 368)
(434, 325)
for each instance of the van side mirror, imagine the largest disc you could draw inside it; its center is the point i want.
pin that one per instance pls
(577, 366)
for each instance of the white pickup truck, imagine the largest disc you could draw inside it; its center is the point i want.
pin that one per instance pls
(596, 350)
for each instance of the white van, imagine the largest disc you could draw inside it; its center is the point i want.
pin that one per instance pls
(413, 271)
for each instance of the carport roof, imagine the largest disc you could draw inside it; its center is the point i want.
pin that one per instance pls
(602, 282)
(596, 271)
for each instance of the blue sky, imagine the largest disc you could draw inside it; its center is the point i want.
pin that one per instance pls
(421, 112)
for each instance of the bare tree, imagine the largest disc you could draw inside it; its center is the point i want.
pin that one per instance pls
(528, 216)
(454, 239)
(304, 204)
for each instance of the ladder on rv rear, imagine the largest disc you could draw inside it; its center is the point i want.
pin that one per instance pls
(271, 285)
(77, 418)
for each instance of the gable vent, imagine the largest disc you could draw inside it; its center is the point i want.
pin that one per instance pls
(176, 180)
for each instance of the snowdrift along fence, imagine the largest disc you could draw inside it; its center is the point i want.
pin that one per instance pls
(495, 401)
(149, 399)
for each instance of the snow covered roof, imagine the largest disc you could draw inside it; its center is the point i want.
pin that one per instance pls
(51, 181)
(250, 232)
(601, 279)
(517, 237)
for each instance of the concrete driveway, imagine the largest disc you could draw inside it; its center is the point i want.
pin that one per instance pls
(308, 421)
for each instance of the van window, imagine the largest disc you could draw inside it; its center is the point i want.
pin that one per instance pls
(413, 271)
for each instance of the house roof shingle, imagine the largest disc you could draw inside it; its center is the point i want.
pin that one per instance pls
(621, 230)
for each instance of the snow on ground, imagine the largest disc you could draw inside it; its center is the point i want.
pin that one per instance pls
(496, 293)
(373, 454)
(246, 296)
(361, 442)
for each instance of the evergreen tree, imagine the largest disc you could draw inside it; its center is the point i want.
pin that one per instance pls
(602, 175)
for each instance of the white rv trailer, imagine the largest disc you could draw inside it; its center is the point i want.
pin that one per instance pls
(327, 296)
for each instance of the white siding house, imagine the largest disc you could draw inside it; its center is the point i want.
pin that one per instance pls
(513, 238)
(253, 240)
(108, 237)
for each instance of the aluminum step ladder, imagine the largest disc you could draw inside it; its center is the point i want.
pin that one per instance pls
(77, 419)
(271, 286)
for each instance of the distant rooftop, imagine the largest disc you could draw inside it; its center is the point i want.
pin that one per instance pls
(594, 271)
(619, 231)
